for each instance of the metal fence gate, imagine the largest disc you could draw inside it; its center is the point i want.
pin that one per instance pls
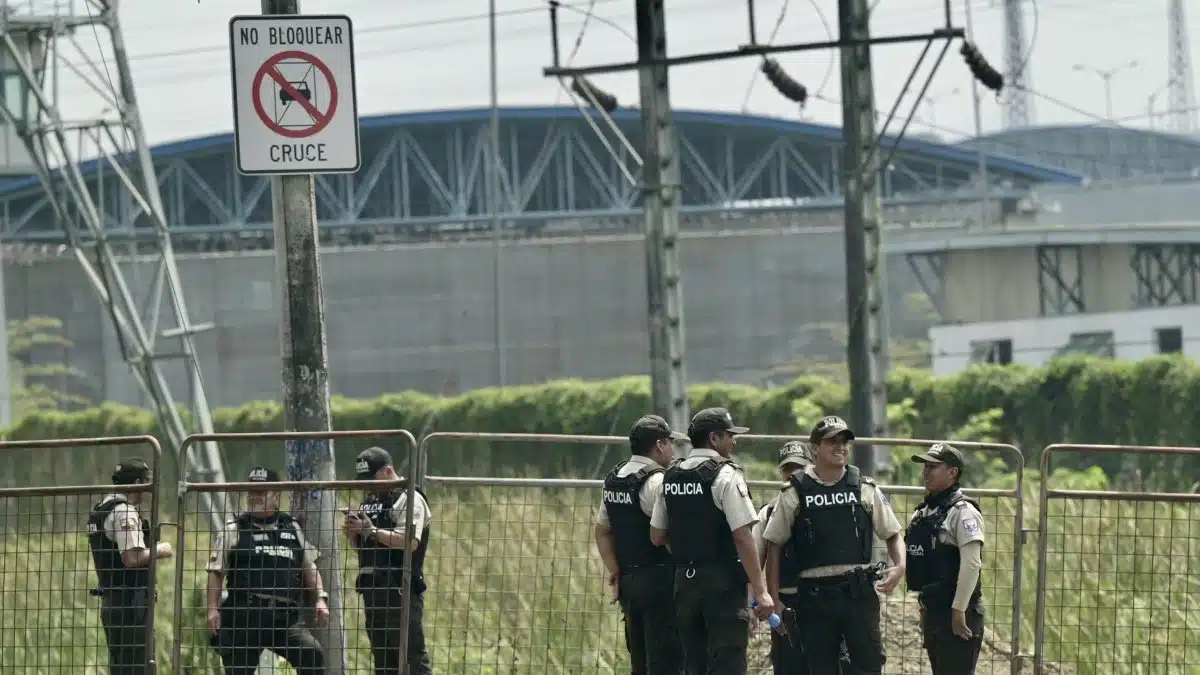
(1116, 575)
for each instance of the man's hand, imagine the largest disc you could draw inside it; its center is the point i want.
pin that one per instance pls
(355, 523)
(322, 613)
(163, 550)
(214, 621)
(614, 582)
(958, 624)
(891, 578)
(765, 606)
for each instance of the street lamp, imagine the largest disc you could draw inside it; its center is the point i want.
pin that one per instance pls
(1106, 74)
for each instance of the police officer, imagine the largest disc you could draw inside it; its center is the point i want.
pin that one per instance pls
(826, 515)
(118, 536)
(267, 563)
(376, 531)
(706, 515)
(945, 556)
(787, 655)
(640, 573)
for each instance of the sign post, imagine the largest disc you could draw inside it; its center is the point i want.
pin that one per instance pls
(295, 114)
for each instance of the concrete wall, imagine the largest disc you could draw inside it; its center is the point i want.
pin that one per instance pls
(420, 316)
(1035, 341)
(1001, 284)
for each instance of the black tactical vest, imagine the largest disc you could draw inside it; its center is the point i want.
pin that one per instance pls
(932, 568)
(388, 563)
(110, 569)
(700, 535)
(267, 559)
(631, 525)
(832, 526)
(788, 571)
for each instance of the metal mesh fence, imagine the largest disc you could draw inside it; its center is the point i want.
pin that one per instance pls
(1117, 576)
(62, 610)
(520, 553)
(247, 595)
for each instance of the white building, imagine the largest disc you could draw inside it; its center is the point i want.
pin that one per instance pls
(1131, 334)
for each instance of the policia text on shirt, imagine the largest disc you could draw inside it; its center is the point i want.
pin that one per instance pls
(118, 536)
(268, 563)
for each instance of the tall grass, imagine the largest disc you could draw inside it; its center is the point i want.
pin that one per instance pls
(515, 588)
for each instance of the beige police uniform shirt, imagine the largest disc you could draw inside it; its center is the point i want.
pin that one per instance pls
(779, 528)
(123, 526)
(729, 493)
(422, 514)
(218, 561)
(963, 528)
(650, 491)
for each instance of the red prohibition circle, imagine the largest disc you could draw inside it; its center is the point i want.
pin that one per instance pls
(268, 69)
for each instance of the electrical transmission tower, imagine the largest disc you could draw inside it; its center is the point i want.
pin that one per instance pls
(1018, 104)
(1181, 91)
(60, 59)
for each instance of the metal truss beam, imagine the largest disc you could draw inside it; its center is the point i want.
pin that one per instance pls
(58, 135)
(1060, 280)
(421, 174)
(929, 269)
(1166, 274)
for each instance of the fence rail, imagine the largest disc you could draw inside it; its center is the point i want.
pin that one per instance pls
(515, 585)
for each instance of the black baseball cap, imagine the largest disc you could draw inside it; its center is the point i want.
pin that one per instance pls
(651, 429)
(370, 461)
(714, 419)
(261, 474)
(829, 427)
(794, 452)
(130, 471)
(941, 453)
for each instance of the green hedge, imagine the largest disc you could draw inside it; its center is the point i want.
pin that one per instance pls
(1083, 400)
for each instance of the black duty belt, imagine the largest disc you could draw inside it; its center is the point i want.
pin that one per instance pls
(263, 601)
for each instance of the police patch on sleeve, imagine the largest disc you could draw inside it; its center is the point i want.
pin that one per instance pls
(971, 526)
(128, 524)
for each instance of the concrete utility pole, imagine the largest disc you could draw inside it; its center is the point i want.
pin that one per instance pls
(305, 375)
(866, 319)
(662, 189)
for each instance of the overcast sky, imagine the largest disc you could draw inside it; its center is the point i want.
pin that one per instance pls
(434, 54)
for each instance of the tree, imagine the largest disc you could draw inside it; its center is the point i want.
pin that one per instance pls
(40, 387)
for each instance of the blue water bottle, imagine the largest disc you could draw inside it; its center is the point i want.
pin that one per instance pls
(774, 621)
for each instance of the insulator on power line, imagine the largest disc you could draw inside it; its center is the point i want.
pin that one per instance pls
(980, 68)
(590, 92)
(783, 82)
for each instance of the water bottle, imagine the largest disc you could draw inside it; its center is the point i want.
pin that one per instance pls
(774, 621)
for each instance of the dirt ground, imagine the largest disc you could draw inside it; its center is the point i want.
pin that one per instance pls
(902, 642)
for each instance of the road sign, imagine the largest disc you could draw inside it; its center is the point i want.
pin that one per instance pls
(294, 103)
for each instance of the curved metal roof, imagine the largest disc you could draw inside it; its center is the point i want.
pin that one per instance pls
(1095, 150)
(1037, 172)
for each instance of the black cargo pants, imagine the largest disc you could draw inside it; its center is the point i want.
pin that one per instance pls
(383, 609)
(248, 628)
(651, 630)
(948, 653)
(714, 619)
(836, 609)
(123, 615)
